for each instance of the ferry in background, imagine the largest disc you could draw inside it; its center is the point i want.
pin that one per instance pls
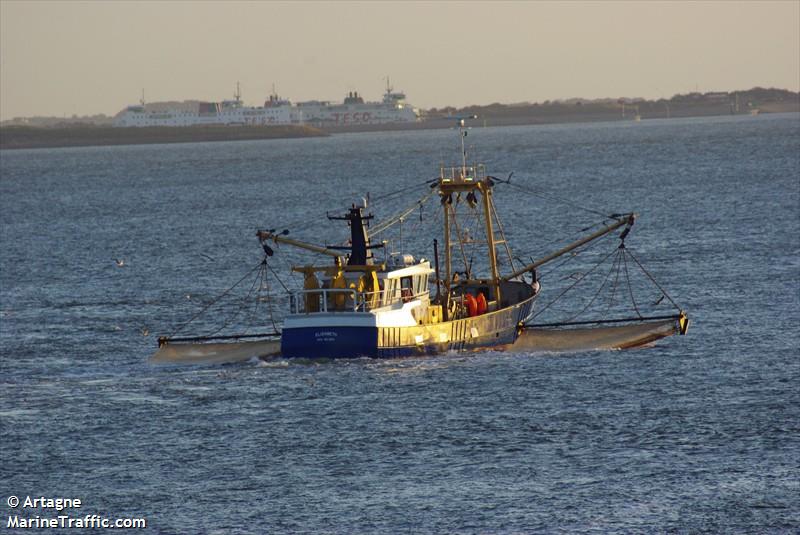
(354, 111)
(275, 111)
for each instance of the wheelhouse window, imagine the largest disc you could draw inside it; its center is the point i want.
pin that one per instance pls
(406, 283)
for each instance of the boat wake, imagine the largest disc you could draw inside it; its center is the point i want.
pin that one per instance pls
(221, 353)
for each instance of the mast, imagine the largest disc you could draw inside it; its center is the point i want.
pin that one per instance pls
(462, 131)
(438, 275)
(486, 188)
(447, 261)
(359, 240)
(465, 179)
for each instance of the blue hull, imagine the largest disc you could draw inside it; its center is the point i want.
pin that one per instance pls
(468, 334)
(329, 342)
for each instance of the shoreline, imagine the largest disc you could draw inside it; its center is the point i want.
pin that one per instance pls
(25, 137)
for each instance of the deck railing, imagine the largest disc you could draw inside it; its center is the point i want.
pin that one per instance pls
(343, 300)
(470, 173)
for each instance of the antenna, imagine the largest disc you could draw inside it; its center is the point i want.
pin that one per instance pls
(141, 101)
(463, 133)
(238, 94)
(462, 130)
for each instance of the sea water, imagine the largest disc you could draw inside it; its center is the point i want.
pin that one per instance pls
(104, 249)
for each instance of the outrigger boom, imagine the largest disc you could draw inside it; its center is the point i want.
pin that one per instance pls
(629, 220)
(264, 235)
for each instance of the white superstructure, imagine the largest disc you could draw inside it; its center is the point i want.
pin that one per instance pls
(354, 111)
(275, 111)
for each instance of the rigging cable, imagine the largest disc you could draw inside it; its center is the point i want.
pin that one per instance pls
(467, 266)
(305, 223)
(269, 297)
(471, 222)
(574, 254)
(616, 280)
(212, 303)
(244, 301)
(402, 190)
(551, 197)
(654, 281)
(596, 295)
(546, 247)
(571, 286)
(502, 235)
(627, 276)
(278, 278)
(393, 220)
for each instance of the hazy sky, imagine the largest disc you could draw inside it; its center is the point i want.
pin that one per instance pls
(69, 58)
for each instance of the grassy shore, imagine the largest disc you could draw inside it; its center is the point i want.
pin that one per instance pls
(24, 137)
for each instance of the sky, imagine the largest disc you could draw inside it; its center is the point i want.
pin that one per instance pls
(62, 58)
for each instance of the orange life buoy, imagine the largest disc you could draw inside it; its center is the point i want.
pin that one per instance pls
(481, 304)
(472, 305)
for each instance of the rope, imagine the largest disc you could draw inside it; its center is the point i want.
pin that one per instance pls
(630, 287)
(472, 231)
(654, 281)
(278, 279)
(226, 292)
(546, 247)
(596, 295)
(460, 239)
(574, 284)
(552, 197)
(252, 310)
(393, 220)
(396, 192)
(574, 254)
(244, 302)
(269, 297)
(502, 235)
(616, 280)
(305, 223)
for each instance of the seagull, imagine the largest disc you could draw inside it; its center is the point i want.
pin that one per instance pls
(659, 299)
(120, 262)
(145, 331)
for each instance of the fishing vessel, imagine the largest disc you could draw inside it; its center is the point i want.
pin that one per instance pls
(275, 111)
(359, 304)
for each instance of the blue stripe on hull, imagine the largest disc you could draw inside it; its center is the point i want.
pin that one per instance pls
(329, 342)
(349, 342)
